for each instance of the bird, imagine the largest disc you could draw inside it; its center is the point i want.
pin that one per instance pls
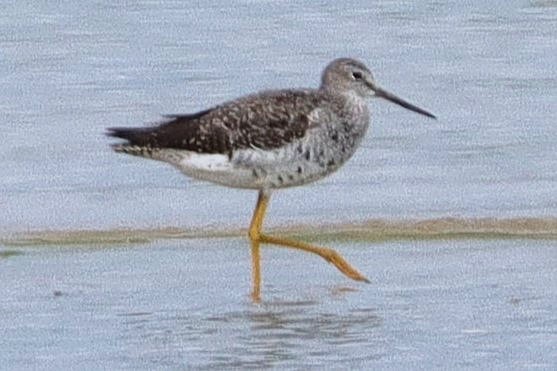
(268, 141)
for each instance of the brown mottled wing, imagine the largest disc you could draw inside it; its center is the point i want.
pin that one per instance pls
(189, 132)
(266, 121)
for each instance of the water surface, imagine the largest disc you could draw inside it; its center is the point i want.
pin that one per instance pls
(174, 304)
(69, 70)
(77, 292)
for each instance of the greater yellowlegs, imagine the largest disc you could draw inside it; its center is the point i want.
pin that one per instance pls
(270, 140)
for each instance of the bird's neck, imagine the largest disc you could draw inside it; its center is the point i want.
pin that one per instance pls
(353, 103)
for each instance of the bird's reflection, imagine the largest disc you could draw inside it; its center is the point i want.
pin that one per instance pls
(283, 331)
(277, 332)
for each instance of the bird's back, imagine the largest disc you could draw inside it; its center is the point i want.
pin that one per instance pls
(267, 120)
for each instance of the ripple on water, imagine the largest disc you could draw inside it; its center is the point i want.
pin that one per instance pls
(273, 333)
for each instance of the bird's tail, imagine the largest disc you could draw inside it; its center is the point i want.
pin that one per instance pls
(134, 136)
(142, 142)
(137, 142)
(147, 152)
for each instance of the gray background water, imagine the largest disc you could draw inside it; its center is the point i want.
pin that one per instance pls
(180, 305)
(68, 70)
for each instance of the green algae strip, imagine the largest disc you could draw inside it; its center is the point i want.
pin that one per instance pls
(9, 253)
(109, 237)
(443, 228)
(372, 230)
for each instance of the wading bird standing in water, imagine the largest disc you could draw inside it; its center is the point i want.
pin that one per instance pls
(270, 140)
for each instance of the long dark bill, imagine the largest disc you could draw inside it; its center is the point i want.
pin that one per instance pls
(401, 102)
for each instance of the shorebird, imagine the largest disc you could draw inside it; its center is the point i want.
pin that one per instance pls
(267, 141)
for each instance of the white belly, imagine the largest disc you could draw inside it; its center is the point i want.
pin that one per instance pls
(216, 168)
(251, 168)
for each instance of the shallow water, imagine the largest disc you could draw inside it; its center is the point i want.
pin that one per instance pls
(70, 70)
(174, 304)
(486, 69)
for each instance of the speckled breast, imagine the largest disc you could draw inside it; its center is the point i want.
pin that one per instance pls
(322, 151)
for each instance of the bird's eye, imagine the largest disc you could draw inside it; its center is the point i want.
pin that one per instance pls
(357, 75)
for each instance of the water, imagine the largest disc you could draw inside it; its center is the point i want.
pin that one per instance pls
(446, 304)
(69, 70)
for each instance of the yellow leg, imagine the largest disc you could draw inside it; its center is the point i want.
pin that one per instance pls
(256, 238)
(329, 255)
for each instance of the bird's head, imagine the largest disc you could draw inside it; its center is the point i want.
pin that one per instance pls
(346, 75)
